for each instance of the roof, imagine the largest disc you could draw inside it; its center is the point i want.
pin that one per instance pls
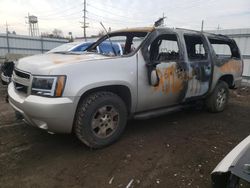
(204, 32)
(151, 29)
(136, 29)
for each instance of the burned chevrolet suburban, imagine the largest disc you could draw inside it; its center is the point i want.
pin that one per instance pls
(93, 94)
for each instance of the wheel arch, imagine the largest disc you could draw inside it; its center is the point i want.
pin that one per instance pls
(229, 79)
(123, 91)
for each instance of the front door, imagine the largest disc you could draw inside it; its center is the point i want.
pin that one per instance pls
(164, 53)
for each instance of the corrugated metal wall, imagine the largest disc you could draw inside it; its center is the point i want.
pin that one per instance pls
(19, 44)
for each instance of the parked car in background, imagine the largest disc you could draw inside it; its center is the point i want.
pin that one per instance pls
(234, 169)
(104, 48)
(72, 46)
(77, 47)
(93, 94)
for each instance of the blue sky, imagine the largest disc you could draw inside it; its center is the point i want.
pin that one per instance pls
(67, 14)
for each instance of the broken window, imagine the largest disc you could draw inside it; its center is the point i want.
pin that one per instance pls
(119, 43)
(224, 48)
(113, 45)
(195, 47)
(164, 48)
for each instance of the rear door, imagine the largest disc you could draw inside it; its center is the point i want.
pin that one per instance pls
(200, 65)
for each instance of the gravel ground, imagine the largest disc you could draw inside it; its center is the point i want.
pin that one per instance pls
(176, 150)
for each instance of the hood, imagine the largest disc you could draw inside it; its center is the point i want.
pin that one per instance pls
(45, 63)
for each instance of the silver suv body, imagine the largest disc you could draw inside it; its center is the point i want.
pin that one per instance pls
(94, 94)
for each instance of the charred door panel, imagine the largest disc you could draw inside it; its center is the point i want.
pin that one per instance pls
(172, 79)
(200, 65)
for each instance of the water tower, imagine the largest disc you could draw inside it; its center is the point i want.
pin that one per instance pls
(33, 25)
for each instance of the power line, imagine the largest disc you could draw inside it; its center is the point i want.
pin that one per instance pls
(116, 20)
(175, 8)
(103, 10)
(121, 9)
(61, 16)
(59, 12)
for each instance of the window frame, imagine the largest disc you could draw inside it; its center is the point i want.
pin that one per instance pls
(204, 43)
(177, 42)
(127, 34)
(225, 42)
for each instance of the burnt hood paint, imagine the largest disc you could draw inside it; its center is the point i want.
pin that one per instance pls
(43, 64)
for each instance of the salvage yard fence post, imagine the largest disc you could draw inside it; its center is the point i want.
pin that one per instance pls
(8, 42)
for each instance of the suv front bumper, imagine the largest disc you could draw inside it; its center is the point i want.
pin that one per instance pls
(52, 114)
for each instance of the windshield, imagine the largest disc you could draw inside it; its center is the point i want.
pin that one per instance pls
(64, 47)
(118, 44)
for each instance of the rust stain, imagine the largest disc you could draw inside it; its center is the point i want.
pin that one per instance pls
(171, 80)
(69, 60)
(232, 66)
(137, 29)
(57, 62)
(161, 81)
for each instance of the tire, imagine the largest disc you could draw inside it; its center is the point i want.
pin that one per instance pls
(4, 83)
(217, 101)
(100, 119)
(233, 182)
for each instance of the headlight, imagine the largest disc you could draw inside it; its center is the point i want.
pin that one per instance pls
(51, 86)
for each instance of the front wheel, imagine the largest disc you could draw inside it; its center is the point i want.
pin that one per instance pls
(217, 101)
(100, 120)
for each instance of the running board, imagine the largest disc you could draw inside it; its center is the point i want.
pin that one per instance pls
(159, 112)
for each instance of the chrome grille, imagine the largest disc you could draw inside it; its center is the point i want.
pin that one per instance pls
(22, 74)
(21, 81)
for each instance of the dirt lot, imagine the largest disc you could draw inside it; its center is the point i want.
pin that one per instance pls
(177, 150)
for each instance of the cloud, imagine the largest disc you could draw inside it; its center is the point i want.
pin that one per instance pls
(67, 14)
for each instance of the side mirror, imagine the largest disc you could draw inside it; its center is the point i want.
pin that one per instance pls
(154, 78)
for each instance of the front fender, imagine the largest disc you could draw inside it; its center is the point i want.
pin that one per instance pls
(96, 85)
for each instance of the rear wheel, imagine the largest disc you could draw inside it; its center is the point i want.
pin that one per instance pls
(218, 100)
(100, 120)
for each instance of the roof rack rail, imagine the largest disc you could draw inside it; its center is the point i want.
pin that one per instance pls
(188, 29)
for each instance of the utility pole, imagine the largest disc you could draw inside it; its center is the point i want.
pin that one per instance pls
(7, 37)
(202, 25)
(202, 29)
(164, 17)
(85, 25)
(7, 27)
(218, 28)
